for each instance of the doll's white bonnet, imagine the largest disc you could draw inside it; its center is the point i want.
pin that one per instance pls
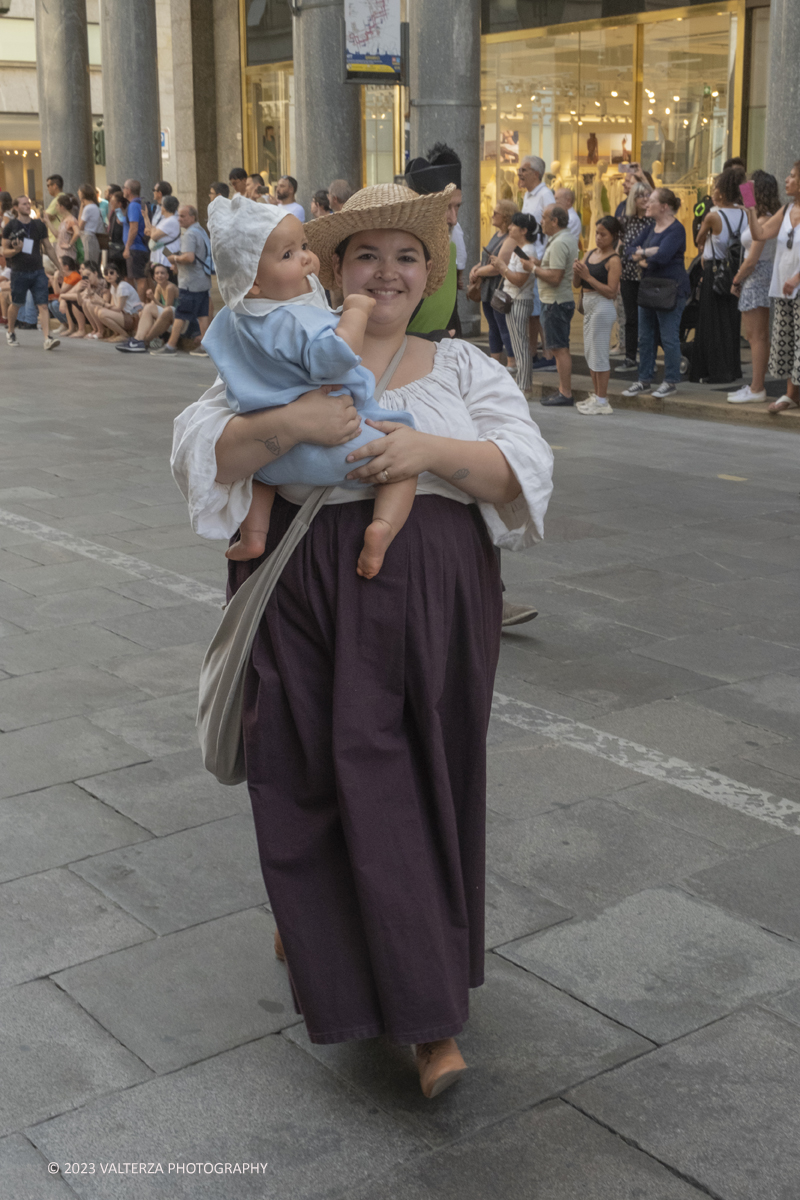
(239, 227)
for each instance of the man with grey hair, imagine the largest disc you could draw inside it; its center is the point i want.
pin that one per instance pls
(339, 193)
(194, 280)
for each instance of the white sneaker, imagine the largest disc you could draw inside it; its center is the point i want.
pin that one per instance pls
(666, 389)
(745, 395)
(50, 343)
(591, 407)
(11, 339)
(636, 389)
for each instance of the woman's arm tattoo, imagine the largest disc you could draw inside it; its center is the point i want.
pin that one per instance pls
(460, 474)
(272, 444)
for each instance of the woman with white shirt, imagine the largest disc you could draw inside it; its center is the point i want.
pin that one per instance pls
(520, 283)
(598, 276)
(367, 702)
(716, 354)
(751, 285)
(120, 315)
(784, 357)
(90, 222)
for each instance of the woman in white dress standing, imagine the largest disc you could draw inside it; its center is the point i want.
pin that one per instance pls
(751, 285)
(598, 276)
(367, 702)
(90, 222)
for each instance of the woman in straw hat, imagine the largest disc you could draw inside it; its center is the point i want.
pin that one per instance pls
(367, 701)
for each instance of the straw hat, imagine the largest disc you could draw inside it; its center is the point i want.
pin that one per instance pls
(386, 206)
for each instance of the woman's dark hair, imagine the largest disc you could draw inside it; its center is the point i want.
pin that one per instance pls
(89, 192)
(5, 201)
(163, 187)
(727, 184)
(526, 221)
(342, 247)
(68, 263)
(170, 204)
(91, 265)
(768, 199)
(667, 196)
(64, 200)
(113, 266)
(321, 200)
(612, 225)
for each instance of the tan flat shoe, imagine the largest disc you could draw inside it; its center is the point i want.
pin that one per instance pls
(280, 953)
(439, 1065)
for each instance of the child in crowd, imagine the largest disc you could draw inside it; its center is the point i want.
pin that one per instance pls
(276, 340)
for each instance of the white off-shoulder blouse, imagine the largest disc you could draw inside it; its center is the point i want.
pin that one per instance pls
(466, 395)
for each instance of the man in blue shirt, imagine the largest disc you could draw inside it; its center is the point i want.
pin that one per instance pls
(136, 252)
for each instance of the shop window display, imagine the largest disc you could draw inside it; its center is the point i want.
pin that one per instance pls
(270, 120)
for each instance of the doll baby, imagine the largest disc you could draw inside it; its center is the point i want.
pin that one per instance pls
(277, 339)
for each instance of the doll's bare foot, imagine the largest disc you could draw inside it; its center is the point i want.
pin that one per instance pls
(250, 545)
(377, 539)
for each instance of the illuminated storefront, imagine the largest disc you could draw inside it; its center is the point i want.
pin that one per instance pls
(666, 89)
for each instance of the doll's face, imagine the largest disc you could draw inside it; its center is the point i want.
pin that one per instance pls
(285, 263)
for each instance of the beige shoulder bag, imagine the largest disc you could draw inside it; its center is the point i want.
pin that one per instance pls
(219, 712)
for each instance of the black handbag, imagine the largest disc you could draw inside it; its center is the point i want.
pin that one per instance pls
(655, 292)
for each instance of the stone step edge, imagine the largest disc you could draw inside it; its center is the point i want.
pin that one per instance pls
(690, 406)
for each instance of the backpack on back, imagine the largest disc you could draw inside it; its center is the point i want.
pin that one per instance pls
(725, 268)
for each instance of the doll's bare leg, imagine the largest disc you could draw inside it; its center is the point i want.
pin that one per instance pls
(255, 527)
(393, 503)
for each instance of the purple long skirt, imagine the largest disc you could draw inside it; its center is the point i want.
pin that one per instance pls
(366, 709)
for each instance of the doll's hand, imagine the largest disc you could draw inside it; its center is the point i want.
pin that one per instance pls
(325, 420)
(364, 304)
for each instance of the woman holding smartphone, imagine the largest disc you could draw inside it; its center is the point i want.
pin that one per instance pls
(519, 283)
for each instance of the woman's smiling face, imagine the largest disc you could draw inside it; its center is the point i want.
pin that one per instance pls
(388, 265)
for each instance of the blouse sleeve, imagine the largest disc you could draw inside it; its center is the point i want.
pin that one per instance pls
(215, 509)
(500, 414)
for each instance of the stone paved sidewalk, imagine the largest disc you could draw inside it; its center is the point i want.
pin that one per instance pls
(638, 1035)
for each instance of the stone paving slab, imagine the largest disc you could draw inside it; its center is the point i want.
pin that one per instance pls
(172, 626)
(24, 1173)
(593, 853)
(265, 1102)
(677, 727)
(720, 1106)
(623, 680)
(47, 649)
(79, 607)
(180, 880)
(170, 670)
(726, 655)
(58, 825)
(53, 1056)
(170, 794)
(49, 695)
(178, 999)
(772, 701)
(783, 758)
(695, 814)
(525, 1042)
(522, 782)
(762, 884)
(661, 962)
(62, 577)
(59, 752)
(561, 640)
(54, 920)
(512, 911)
(164, 725)
(552, 1153)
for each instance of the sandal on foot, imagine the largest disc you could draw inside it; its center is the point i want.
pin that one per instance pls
(779, 406)
(439, 1065)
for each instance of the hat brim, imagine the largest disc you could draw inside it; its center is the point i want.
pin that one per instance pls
(422, 216)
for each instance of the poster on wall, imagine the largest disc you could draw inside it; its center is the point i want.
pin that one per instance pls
(372, 40)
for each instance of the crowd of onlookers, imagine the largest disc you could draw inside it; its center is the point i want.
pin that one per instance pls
(121, 269)
(635, 277)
